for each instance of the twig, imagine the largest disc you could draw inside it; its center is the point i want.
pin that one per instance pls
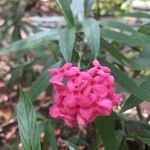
(139, 112)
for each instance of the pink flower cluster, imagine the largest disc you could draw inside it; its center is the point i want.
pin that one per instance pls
(81, 96)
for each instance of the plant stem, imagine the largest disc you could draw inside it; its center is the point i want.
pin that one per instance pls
(139, 112)
(80, 58)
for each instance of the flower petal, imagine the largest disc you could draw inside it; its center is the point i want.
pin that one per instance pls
(117, 99)
(66, 66)
(87, 91)
(96, 63)
(71, 111)
(58, 99)
(103, 74)
(106, 69)
(68, 123)
(85, 75)
(80, 121)
(71, 72)
(70, 101)
(105, 106)
(84, 102)
(85, 114)
(53, 71)
(92, 71)
(56, 80)
(111, 80)
(100, 90)
(71, 86)
(54, 111)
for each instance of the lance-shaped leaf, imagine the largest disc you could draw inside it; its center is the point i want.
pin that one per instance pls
(65, 7)
(137, 15)
(133, 101)
(77, 7)
(112, 50)
(66, 42)
(106, 127)
(139, 130)
(144, 62)
(41, 83)
(32, 42)
(92, 34)
(119, 37)
(117, 25)
(27, 122)
(145, 28)
(88, 5)
(49, 138)
(135, 40)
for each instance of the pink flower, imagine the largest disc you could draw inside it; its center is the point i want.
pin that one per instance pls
(66, 71)
(81, 96)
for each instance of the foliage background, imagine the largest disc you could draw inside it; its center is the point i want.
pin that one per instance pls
(34, 37)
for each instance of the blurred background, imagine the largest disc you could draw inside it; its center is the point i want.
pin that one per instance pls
(21, 18)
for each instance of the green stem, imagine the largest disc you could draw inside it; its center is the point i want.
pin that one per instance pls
(80, 58)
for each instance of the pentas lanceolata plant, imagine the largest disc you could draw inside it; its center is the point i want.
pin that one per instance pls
(81, 96)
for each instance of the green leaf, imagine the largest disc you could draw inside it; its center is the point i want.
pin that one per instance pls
(71, 146)
(66, 42)
(65, 7)
(125, 81)
(117, 25)
(41, 83)
(133, 101)
(137, 126)
(138, 129)
(143, 58)
(16, 33)
(144, 62)
(119, 37)
(15, 73)
(92, 34)
(77, 7)
(145, 140)
(134, 128)
(134, 40)
(119, 138)
(31, 42)
(145, 28)
(145, 40)
(88, 5)
(106, 127)
(110, 48)
(138, 15)
(28, 127)
(145, 52)
(95, 143)
(50, 138)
